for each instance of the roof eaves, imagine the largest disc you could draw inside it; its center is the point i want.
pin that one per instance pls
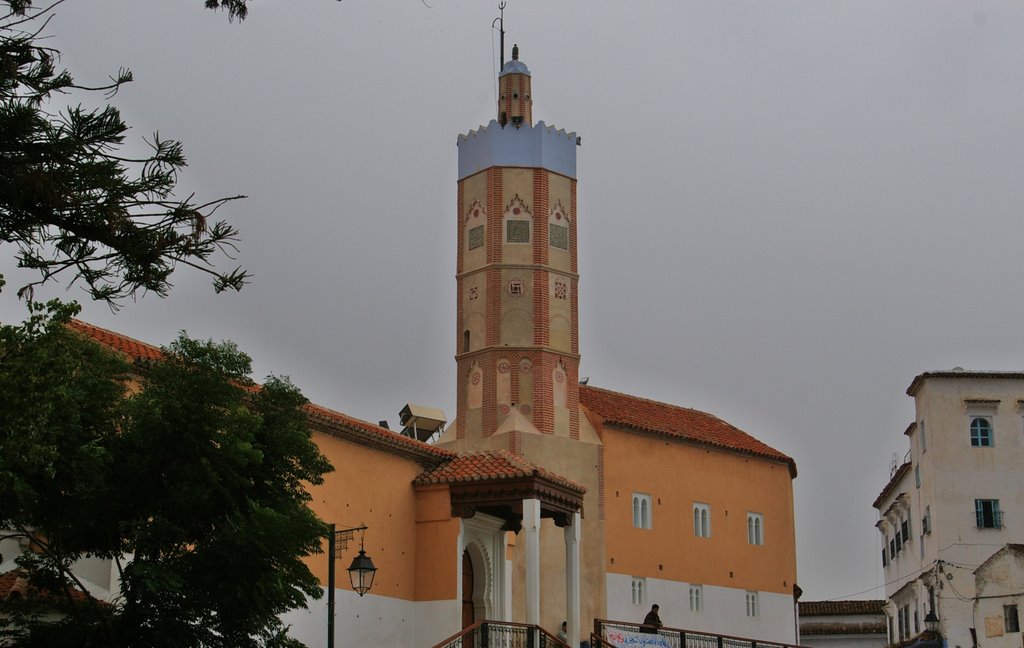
(669, 409)
(891, 485)
(919, 380)
(789, 462)
(346, 427)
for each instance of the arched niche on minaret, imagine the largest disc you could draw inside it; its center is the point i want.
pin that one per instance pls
(475, 387)
(559, 237)
(503, 381)
(474, 311)
(516, 307)
(525, 395)
(560, 385)
(517, 232)
(560, 312)
(560, 399)
(474, 236)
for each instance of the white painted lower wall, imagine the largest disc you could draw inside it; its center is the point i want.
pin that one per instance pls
(375, 621)
(724, 610)
(846, 641)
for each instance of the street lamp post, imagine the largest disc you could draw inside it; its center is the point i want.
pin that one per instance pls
(360, 572)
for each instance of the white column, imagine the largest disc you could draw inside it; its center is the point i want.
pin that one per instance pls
(572, 579)
(507, 582)
(531, 528)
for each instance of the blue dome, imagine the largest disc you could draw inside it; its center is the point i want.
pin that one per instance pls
(515, 66)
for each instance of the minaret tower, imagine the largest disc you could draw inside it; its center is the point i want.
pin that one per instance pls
(518, 342)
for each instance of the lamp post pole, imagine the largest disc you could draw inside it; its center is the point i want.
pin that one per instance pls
(331, 548)
(361, 571)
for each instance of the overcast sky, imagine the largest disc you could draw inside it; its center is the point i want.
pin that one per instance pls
(787, 209)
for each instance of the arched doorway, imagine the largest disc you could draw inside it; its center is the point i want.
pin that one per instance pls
(467, 589)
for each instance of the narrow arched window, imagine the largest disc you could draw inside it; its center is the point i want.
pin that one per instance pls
(755, 529)
(641, 511)
(701, 520)
(465, 341)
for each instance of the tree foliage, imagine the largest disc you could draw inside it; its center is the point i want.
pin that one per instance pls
(188, 469)
(72, 203)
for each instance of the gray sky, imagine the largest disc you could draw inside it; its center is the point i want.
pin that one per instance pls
(786, 209)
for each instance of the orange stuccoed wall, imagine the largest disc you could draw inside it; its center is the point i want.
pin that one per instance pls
(676, 475)
(411, 532)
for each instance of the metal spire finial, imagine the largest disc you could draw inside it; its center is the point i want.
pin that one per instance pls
(501, 28)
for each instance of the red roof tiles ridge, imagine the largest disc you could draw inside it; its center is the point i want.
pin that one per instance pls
(336, 423)
(136, 350)
(325, 420)
(489, 465)
(14, 586)
(828, 608)
(672, 420)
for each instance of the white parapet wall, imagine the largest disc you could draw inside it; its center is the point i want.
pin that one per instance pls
(723, 610)
(375, 621)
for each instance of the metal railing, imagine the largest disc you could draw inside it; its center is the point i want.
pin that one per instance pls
(499, 634)
(606, 632)
(989, 520)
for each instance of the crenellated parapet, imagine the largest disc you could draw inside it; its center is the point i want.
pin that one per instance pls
(540, 146)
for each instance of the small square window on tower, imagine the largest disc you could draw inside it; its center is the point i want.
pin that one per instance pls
(516, 287)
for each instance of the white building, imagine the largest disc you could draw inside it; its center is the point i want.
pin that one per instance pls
(956, 500)
(999, 598)
(842, 624)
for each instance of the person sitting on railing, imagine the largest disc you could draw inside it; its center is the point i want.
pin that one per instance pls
(652, 621)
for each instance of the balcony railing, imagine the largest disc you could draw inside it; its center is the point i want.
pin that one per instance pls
(989, 519)
(498, 634)
(615, 633)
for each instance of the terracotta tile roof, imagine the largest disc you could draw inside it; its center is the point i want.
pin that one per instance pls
(14, 586)
(321, 418)
(828, 608)
(491, 465)
(135, 350)
(893, 482)
(335, 423)
(680, 422)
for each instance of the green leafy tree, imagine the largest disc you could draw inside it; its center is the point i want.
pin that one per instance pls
(187, 467)
(72, 203)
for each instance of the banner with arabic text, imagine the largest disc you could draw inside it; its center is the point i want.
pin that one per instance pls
(627, 639)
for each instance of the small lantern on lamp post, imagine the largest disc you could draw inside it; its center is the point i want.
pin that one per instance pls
(360, 573)
(931, 622)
